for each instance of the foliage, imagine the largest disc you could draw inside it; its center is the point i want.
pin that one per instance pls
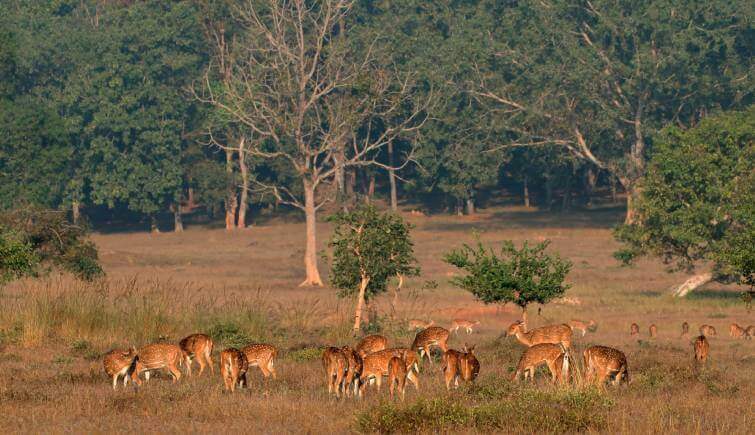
(698, 199)
(17, 257)
(372, 245)
(521, 276)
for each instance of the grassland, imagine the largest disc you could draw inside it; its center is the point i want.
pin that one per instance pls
(242, 287)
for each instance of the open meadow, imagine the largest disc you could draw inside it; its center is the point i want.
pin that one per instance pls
(241, 287)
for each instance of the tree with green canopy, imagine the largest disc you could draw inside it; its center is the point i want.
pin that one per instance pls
(697, 206)
(369, 248)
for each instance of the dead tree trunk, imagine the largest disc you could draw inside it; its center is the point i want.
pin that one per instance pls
(392, 178)
(470, 206)
(310, 253)
(244, 202)
(360, 304)
(692, 284)
(178, 224)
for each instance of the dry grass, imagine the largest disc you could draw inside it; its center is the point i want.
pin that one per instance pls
(242, 287)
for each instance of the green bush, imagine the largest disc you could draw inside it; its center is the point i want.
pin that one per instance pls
(304, 354)
(229, 334)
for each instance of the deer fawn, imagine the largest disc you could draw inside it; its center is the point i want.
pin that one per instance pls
(262, 356)
(397, 376)
(375, 366)
(582, 326)
(547, 353)
(233, 368)
(420, 324)
(545, 334)
(428, 338)
(370, 344)
(119, 362)
(634, 329)
(701, 349)
(737, 331)
(160, 356)
(601, 362)
(685, 329)
(198, 346)
(335, 364)
(707, 331)
(653, 330)
(468, 325)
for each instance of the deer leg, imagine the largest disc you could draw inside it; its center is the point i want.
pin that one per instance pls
(413, 379)
(175, 372)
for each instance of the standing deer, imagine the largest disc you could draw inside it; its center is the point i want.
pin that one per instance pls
(462, 365)
(708, 331)
(375, 366)
(198, 346)
(470, 366)
(685, 329)
(737, 331)
(119, 362)
(545, 334)
(434, 336)
(335, 364)
(634, 329)
(159, 356)
(701, 349)
(653, 330)
(370, 344)
(262, 356)
(420, 324)
(233, 368)
(601, 362)
(353, 372)
(468, 325)
(543, 353)
(582, 326)
(397, 376)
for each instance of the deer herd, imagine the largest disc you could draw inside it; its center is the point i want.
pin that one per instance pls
(349, 371)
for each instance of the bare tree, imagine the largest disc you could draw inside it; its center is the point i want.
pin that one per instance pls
(308, 96)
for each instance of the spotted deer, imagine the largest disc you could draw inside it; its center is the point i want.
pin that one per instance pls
(451, 367)
(602, 362)
(375, 366)
(370, 344)
(467, 325)
(634, 329)
(353, 372)
(543, 353)
(582, 326)
(120, 362)
(653, 330)
(685, 329)
(750, 330)
(470, 366)
(262, 356)
(420, 324)
(425, 340)
(233, 368)
(708, 331)
(199, 347)
(701, 349)
(160, 356)
(737, 331)
(335, 364)
(397, 376)
(545, 334)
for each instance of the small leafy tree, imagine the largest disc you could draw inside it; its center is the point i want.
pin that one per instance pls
(521, 276)
(17, 257)
(369, 248)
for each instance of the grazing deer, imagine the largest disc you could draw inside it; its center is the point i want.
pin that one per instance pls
(701, 349)
(375, 366)
(420, 324)
(708, 331)
(601, 362)
(470, 366)
(427, 338)
(370, 344)
(543, 353)
(461, 323)
(198, 346)
(750, 332)
(335, 364)
(582, 326)
(685, 329)
(634, 329)
(397, 376)
(119, 362)
(160, 356)
(262, 356)
(653, 330)
(233, 368)
(737, 331)
(451, 367)
(353, 372)
(545, 334)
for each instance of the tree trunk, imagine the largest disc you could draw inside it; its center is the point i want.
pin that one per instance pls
(548, 193)
(567, 194)
(613, 189)
(75, 212)
(371, 188)
(244, 202)
(360, 304)
(340, 173)
(396, 290)
(178, 225)
(524, 318)
(459, 207)
(392, 178)
(470, 206)
(590, 179)
(633, 193)
(310, 253)
(153, 224)
(526, 192)
(231, 201)
(692, 284)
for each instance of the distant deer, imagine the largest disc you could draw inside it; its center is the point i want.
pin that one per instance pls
(653, 330)
(375, 366)
(685, 329)
(707, 331)
(545, 334)
(582, 326)
(420, 324)
(468, 325)
(750, 332)
(370, 344)
(701, 349)
(601, 362)
(425, 340)
(737, 331)
(199, 347)
(120, 362)
(160, 356)
(634, 329)
(233, 368)
(335, 364)
(353, 372)
(543, 353)
(262, 356)
(397, 376)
